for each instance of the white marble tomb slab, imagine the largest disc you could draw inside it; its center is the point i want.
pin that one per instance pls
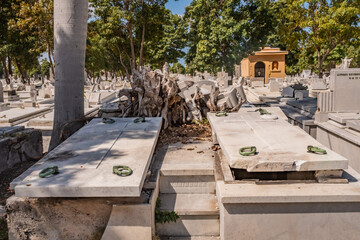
(354, 124)
(343, 117)
(46, 121)
(280, 146)
(86, 159)
(9, 117)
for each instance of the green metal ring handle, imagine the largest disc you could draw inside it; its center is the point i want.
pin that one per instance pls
(140, 120)
(108, 120)
(262, 111)
(122, 170)
(316, 150)
(221, 114)
(247, 151)
(49, 171)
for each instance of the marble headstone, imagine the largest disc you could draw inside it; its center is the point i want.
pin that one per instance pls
(345, 83)
(287, 92)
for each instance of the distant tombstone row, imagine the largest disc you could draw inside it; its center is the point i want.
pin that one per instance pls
(318, 84)
(223, 79)
(275, 84)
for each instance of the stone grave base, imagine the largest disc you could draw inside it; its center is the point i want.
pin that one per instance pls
(258, 209)
(338, 139)
(65, 218)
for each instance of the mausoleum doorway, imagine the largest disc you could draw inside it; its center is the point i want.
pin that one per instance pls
(260, 70)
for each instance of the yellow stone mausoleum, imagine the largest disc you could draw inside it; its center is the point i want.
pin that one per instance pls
(267, 63)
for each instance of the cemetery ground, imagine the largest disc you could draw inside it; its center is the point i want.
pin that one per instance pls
(191, 159)
(6, 178)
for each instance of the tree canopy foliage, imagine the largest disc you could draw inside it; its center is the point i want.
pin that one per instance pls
(223, 32)
(125, 35)
(213, 34)
(319, 28)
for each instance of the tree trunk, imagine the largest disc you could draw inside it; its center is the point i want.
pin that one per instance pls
(320, 62)
(10, 66)
(70, 30)
(51, 62)
(142, 45)
(22, 75)
(124, 66)
(133, 58)
(3, 61)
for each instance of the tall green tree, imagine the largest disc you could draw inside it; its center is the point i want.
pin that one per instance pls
(169, 42)
(45, 68)
(318, 26)
(124, 24)
(177, 68)
(97, 55)
(21, 45)
(5, 6)
(35, 18)
(354, 53)
(133, 34)
(223, 32)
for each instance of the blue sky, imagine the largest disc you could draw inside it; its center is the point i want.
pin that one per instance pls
(178, 7)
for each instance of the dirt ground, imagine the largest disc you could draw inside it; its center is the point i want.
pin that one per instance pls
(5, 178)
(3, 230)
(183, 133)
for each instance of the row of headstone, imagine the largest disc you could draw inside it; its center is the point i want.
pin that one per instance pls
(223, 79)
(291, 92)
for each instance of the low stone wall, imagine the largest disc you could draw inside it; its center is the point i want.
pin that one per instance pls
(321, 221)
(19, 147)
(61, 218)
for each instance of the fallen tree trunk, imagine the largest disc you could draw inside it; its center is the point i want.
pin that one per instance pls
(155, 93)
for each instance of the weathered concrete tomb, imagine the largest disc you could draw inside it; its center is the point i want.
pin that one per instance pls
(282, 190)
(338, 118)
(87, 185)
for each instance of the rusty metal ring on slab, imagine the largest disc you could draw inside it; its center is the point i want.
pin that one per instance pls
(140, 120)
(49, 171)
(316, 150)
(247, 151)
(262, 111)
(221, 114)
(122, 170)
(108, 120)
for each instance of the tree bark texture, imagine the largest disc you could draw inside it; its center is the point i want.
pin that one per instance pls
(70, 30)
(156, 93)
(6, 72)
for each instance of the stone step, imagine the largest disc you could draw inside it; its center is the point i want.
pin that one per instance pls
(190, 204)
(192, 238)
(128, 222)
(190, 226)
(188, 168)
(188, 184)
(194, 158)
